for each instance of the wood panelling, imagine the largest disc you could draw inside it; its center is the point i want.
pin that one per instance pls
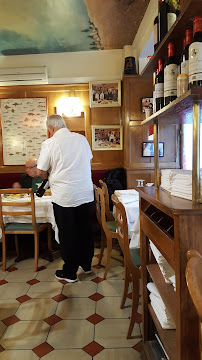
(137, 166)
(96, 116)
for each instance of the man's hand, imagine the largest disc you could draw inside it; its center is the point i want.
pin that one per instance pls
(42, 174)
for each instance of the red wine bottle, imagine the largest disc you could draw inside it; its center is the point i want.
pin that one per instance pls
(44, 186)
(171, 16)
(156, 33)
(195, 54)
(170, 76)
(163, 19)
(159, 86)
(184, 66)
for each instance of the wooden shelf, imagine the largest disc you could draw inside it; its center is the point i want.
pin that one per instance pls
(165, 290)
(179, 111)
(189, 9)
(168, 337)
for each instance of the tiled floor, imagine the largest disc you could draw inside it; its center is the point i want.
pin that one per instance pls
(41, 317)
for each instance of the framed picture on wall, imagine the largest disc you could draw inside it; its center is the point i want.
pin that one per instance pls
(147, 103)
(107, 137)
(105, 93)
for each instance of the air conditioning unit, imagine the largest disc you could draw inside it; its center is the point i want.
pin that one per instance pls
(23, 76)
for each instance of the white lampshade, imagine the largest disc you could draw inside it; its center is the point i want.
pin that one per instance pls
(69, 106)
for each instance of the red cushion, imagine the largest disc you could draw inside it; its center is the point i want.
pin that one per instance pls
(7, 180)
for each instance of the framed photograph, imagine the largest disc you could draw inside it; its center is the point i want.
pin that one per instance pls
(105, 93)
(107, 137)
(147, 103)
(148, 149)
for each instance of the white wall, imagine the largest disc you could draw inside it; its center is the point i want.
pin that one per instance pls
(74, 67)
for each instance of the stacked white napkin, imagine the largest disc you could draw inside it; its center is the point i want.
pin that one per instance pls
(127, 196)
(160, 308)
(166, 269)
(178, 182)
(173, 281)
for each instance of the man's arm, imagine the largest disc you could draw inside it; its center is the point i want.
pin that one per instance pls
(42, 174)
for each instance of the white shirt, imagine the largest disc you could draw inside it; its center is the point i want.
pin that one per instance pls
(67, 155)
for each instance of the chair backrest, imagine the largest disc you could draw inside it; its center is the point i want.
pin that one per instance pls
(10, 206)
(100, 203)
(194, 284)
(97, 205)
(106, 198)
(122, 230)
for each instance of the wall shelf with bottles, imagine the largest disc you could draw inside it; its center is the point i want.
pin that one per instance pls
(189, 9)
(179, 111)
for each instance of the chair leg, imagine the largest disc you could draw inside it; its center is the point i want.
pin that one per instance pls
(36, 250)
(16, 244)
(102, 245)
(4, 252)
(50, 242)
(135, 300)
(125, 286)
(109, 251)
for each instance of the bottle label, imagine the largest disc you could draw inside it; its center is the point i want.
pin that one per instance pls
(185, 67)
(195, 61)
(171, 19)
(159, 90)
(155, 34)
(170, 80)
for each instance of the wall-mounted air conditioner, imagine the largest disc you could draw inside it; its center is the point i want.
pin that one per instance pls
(23, 76)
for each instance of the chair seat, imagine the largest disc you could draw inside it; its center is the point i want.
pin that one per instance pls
(20, 226)
(111, 225)
(135, 256)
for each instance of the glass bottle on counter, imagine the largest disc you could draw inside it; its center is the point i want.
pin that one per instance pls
(195, 54)
(170, 76)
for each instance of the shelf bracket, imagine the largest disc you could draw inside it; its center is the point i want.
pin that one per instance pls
(196, 153)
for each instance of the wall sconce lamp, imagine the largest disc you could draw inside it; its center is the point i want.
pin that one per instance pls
(69, 106)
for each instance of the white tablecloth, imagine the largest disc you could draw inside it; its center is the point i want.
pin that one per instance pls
(132, 213)
(43, 210)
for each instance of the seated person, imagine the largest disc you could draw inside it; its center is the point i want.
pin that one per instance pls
(30, 178)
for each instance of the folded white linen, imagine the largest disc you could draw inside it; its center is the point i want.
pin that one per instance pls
(126, 192)
(135, 234)
(161, 312)
(153, 289)
(166, 269)
(128, 199)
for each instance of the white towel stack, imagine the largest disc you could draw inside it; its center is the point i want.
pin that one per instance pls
(160, 308)
(178, 182)
(166, 269)
(127, 196)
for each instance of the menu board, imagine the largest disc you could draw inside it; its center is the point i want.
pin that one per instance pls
(23, 128)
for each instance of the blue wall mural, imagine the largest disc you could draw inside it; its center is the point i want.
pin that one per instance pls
(46, 26)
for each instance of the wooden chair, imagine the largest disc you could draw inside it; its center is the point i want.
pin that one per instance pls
(6, 209)
(106, 197)
(131, 262)
(194, 284)
(109, 227)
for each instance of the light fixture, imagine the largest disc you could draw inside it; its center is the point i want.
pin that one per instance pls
(69, 106)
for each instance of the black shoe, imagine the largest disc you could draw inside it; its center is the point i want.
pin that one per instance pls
(86, 271)
(60, 276)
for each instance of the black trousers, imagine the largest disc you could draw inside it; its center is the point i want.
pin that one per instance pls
(75, 236)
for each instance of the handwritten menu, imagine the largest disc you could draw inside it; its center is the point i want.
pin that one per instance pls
(23, 128)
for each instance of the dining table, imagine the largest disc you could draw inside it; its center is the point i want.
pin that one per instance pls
(130, 199)
(43, 212)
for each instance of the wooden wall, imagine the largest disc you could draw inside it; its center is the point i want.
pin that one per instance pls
(97, 116)
(138, 167)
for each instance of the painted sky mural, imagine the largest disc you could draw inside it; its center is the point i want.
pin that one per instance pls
(46, 26)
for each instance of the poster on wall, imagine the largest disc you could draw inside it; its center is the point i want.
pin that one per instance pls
(23, 128)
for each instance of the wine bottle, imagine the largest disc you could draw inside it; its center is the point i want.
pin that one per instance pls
(154, 94)
(170, 76)
(42, 188)
(163, 19)
(184, 66)
(171, 16)
(195, 54)
(156, 33)
(159, 86)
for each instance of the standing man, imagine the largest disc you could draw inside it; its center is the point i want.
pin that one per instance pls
(66, 156)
